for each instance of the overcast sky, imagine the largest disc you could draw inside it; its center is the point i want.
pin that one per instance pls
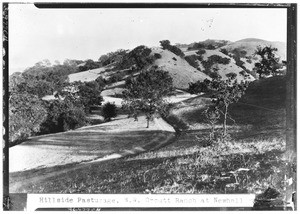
(58, 34)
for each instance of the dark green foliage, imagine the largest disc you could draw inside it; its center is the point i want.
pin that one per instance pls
(89, 65)
(218, 59)
(199, 87)
(269, 62)
(101, 81)
(214, 75)
(201, 51)
(208, 44)
(56, 75)
(137, 59)
(224, 51)
(88, 94)
(165, 44)
(109, 110)
(26, 114)
(174, 58)
(157, 56)
(145, 93)
(62, 116)
(191, 59)
(197, 46)
(211, 47)
(116, 77)
(33, 86)
(112, 57)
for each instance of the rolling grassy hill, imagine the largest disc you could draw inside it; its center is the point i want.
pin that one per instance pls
(183, 72)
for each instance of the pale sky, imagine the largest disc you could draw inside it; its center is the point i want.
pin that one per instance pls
(59, 34)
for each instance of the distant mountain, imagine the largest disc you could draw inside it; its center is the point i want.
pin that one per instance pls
(250, 45)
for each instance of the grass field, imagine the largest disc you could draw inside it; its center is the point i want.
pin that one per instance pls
(251, 162)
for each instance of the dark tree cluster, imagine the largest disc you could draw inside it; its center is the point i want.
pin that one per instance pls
(208, 44)
(269, 62)
(89, 65)
(30, 114)
(166, 45)
(137, 59)
(224, 51)
(192, 60)
(112, 57)
(201, 51)
(199, 87)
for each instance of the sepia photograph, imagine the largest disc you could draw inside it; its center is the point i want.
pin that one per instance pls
(155, 106)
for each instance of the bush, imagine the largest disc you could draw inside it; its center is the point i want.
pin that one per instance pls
(138, 58)
(115, 78)
(62, 116)
(109, 110)
(219, 59)
(198, 87)
(165, 44)
(224, 51)
(157, 56)
(191, 59)
(201, 51)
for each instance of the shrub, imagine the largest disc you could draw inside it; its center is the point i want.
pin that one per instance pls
(224, 51)
(157, 56)
(201, 51)
(211, 47)
(62, 116)
(101, 81)
(109, 110)
(137, 59)
(219, 59)
(115, 78)
(174, 59)
(165, 44)
(191, 59)
(198, 87)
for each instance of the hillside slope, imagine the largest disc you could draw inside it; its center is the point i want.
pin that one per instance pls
(249, 45)
(222, 69)
(179, 69)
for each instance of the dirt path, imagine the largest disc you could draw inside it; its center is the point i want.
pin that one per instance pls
(60, 153)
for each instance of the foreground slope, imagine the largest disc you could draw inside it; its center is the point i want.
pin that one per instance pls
(87, 143)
